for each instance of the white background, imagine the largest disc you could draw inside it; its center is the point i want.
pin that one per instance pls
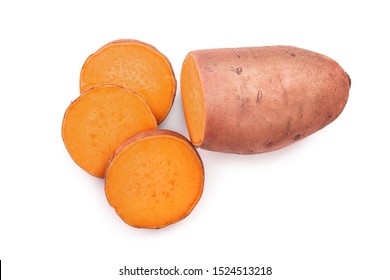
(319, 209)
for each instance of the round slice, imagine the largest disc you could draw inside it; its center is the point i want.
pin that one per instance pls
(136, 66)
(154, 179)
(99, 121)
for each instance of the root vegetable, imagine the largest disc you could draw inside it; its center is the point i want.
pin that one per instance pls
(136, 66)
(154, 179)
(260, 99)
(99, 121)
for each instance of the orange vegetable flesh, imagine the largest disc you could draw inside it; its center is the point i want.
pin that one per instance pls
(155, 179)
(136, 66)
(193, 100)
(99, 121)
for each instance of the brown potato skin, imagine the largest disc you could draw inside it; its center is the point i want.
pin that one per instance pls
(261, 99)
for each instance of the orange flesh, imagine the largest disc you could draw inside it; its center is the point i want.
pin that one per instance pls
(99, 121)
(193, 101)
(136, 66)
(155, 181)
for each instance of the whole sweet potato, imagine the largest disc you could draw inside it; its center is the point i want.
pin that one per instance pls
(259, 99)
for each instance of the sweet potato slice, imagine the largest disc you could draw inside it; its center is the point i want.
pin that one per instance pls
(136, 66)
(154, 179)
(99, 121)
(259, 99)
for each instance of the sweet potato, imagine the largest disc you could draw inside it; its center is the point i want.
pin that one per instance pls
(259, 99)
(136, 66)
(99, 121)
(154, 179)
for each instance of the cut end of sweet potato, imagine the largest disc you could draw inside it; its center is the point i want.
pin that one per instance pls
(99, 121)
(136, 66)
(154, 179)
(193, 100)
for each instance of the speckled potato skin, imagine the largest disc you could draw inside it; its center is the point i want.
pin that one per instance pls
(261, 99)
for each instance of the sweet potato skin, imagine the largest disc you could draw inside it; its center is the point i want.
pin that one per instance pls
(261, 99)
